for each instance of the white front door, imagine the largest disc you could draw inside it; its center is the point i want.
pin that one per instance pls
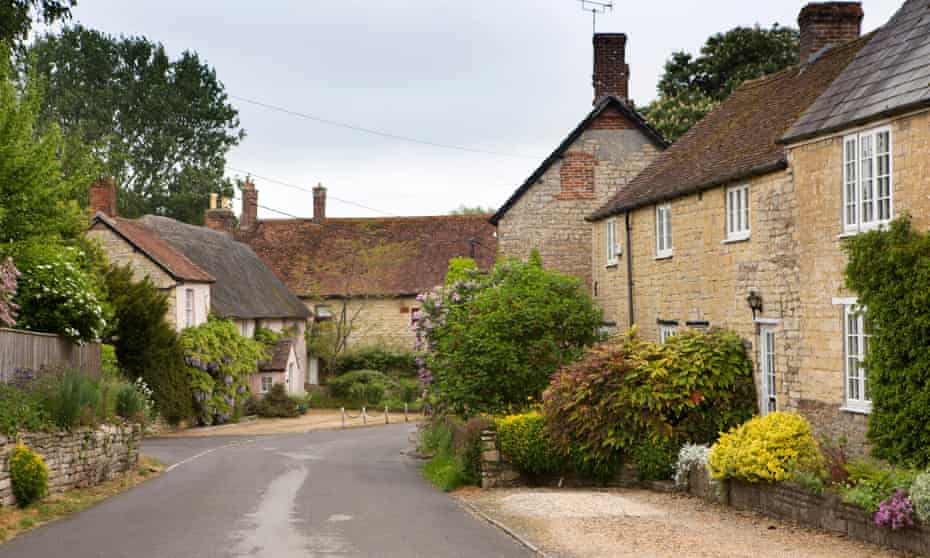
(767, 369)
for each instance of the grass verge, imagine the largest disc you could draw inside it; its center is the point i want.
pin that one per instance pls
(445, 471)
(15, 521)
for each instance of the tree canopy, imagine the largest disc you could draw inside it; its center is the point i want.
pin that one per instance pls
(161, 127)
(692, 86)
(16, 16)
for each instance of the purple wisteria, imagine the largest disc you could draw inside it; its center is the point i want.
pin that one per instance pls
(8, 285)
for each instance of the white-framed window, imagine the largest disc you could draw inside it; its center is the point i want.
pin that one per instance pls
(767, 369)
(611, 244)
(666, 330)
(189, 307)
(737, 207)
(414, 316)
(867, 182)
(663, 231)
(855, 347)
(267, 382)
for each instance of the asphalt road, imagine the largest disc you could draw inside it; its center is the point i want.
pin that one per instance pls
(331, 494)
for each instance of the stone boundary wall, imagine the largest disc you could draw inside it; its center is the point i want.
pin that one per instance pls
(78, 459)
(827, 511)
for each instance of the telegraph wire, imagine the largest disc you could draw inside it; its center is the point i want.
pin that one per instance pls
(379, 132)
(305, 189)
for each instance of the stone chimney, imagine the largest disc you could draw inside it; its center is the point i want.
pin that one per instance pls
(611, 72)
(220, 217)
(103, 197)
(249, 206)
(319, 204)
(828, 24)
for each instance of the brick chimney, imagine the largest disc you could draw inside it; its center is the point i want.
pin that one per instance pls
(220, 217)
(319, 203)
(611, 72)
(103, 197)
(249, 206)
(828, 24)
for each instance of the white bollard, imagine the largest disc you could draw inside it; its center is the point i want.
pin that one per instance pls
(386, 420)
(343, 411)
(406, 418)
(364, 416)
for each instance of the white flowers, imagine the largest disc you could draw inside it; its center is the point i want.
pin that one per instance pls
(690, 456)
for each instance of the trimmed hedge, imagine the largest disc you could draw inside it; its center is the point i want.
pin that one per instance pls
(524, 442)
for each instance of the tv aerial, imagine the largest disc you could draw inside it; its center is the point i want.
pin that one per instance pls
(596, 7)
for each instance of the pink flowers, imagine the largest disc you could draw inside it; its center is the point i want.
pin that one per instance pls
(895, 512)
(8, 285)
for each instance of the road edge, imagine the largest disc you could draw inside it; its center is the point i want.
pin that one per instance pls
(507, 530)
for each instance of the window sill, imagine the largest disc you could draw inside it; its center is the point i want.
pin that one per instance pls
(735, 239)
(612, 265)
(856, 410)
(883, 226)
(664, 256)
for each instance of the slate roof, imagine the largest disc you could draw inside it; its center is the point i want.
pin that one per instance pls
(313, 258)
(173, 262)
(890, 75)
(604, 104)
(738, 139)
(279, 355)
(245, 287)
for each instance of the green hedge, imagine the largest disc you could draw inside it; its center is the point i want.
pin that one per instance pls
(523, 441)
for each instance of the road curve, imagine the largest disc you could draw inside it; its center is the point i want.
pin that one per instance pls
(336, 494)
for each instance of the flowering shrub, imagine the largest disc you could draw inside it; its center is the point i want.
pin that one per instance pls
(56, 295)
(920, 496)
(8, 277)
(523, 441)
(689, 457)
(632, 396)
(871, 482)
(492, 341)
(896, 512)
(28, 475)
(766, 449)
(219, 361)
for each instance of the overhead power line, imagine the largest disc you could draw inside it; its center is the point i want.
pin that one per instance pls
(305, 189)
(379, 132)
(273, 210)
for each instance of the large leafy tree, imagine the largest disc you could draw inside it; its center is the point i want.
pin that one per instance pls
(692, 86)
(16, 16)
(161, 127)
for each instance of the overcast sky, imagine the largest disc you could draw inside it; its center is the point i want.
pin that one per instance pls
(507, 76)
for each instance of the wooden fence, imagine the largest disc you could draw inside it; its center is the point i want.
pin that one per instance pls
(26, 350)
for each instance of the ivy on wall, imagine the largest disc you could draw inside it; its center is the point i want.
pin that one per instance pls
(889, 270)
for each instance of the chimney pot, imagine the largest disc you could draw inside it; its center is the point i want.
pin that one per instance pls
(249, 206)
(611, 72)
(827, 24)
(319, 203)
(103, 197)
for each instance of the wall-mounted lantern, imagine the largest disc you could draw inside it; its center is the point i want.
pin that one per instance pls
(755, 303)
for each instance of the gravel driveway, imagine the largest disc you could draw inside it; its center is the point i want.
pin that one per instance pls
(619, 523)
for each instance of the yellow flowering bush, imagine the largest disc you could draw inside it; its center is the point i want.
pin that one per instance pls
(767, 449)
(523, 441)
(28, 475)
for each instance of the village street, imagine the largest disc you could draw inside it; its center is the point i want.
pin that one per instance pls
(321, 494)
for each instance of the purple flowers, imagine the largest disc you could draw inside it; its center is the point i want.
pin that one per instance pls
(895, 512)
(8, 285)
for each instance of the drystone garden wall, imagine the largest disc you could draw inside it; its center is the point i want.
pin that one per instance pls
(85, 457)
(821, 511)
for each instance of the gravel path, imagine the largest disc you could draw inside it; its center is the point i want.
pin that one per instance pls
(619, 523)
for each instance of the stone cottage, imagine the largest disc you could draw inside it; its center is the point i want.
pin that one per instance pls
(205, 272)
(371, 269)
(604, 152)
(709, 235)
(860, 156)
